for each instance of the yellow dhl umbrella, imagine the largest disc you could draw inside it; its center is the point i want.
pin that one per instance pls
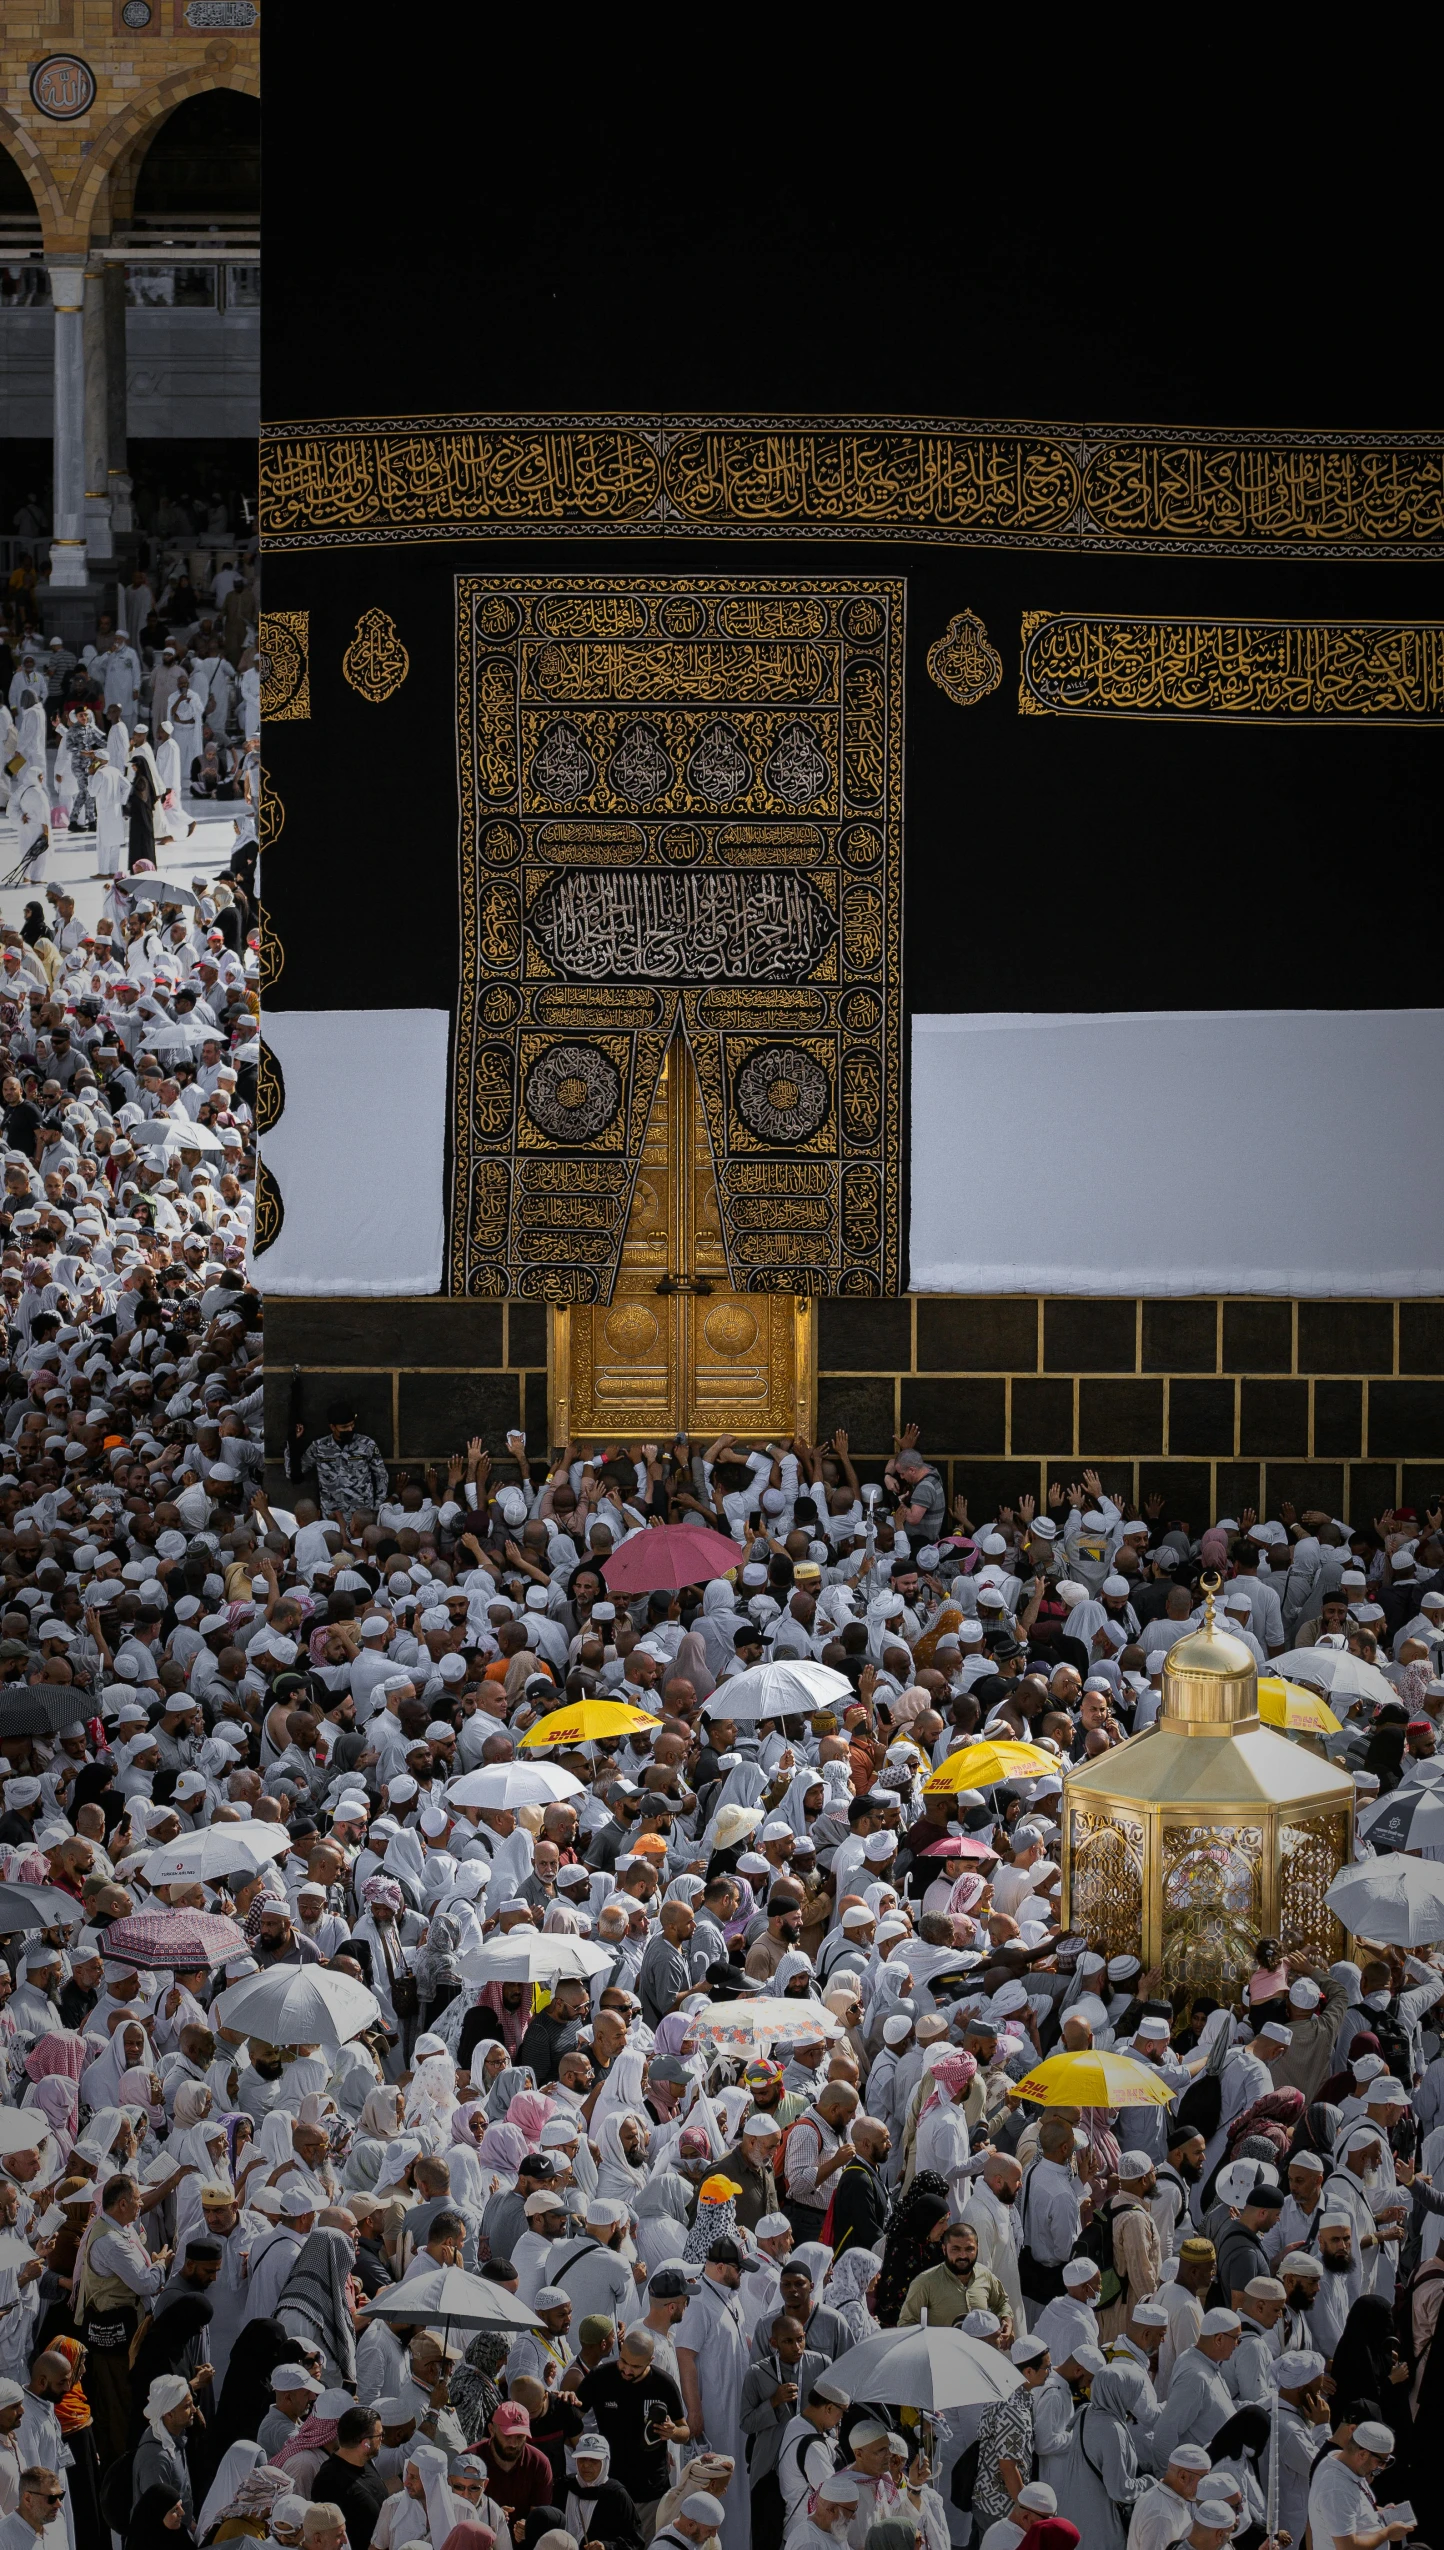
(1288, 1705)
(980, 1766)
(588, 1721)
(1096, 2080)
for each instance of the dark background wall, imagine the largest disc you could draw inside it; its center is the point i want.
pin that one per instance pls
(1212, 1403)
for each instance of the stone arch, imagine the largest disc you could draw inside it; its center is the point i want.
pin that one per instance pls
(30, 160)
(114, 153)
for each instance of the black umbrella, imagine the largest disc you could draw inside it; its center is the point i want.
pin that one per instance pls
(25, 1907)
(41, 1708)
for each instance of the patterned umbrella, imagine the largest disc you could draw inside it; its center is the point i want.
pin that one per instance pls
(175, 1939)
(672, 1554)
(748, 2027)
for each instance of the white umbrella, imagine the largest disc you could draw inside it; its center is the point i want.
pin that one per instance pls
(298, 2005)
(532, 1956)
(222, 1850)
(171, 1129)
(790, 1687)
(445, 2294)
(745, 2026)
(928, 2369)
(1344, 1676)
(513, 1784)
(1393, 1902)
(22, 2129)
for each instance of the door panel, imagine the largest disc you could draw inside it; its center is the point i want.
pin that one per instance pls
(651, 1363)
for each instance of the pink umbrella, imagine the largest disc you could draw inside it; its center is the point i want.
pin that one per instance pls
(671, 1554)
(961, 1846)
(176, 1939)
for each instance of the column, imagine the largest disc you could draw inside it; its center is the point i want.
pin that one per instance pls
(67, 548)
(122, 517)
(99, 544)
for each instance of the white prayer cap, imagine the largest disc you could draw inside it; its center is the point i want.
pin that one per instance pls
(856, 1917)
(1134, 2164)
(602, 2209)
(1150, 2315)
(1040, 2499)
(1156, 2030)
(1220, 2323)
(1290, 2372)
(1115, 1587)
(297, 2200)
(557, 2131)
(1276, 2032)
(1373, 2436)
(433, 1822)
(549, 2298)
(869, 2432)
(702, 2508)
(1120, 1968)
(896, 2028)
(771, 2227)
(1216, 2514)
(375, 1625)
(979, 2324)
(1305, 1994)
(1308, 2160)
(1077, 2272)
(1339, 2221)
(11, 2395)
(1026, 2350)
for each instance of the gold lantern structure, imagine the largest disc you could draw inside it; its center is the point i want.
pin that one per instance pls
(1206, 1833)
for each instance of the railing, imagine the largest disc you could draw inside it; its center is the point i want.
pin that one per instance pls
(171, 276)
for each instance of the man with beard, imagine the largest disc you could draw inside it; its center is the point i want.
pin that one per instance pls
(1178, 2176)
(1341, 2284)
(1183, 2301)
(1294, 2227)
(1302, 2277)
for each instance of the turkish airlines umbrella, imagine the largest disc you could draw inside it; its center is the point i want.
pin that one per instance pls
(790, 1687)
(298, 2005)
(178, 1939)
(222, 1850)
(932, 2370)
(1391, 1903)
(500, 1784)
(1410, 1819)
(670, 1555)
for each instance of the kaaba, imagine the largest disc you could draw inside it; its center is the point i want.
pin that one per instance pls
(842, 779)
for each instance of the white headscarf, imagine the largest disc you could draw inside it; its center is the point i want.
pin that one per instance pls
(618, 2178)
(165, 2395)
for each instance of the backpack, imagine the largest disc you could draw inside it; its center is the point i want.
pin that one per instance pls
(116, 2489)
(1201, 2105)
(1394, 2043)
(1096, 2243)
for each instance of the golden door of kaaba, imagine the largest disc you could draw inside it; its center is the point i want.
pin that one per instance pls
(677, 1349)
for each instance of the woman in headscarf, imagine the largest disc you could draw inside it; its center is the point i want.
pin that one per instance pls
(431, 2100)
(475, 2391)
(1384, 1752)
(1272, 2121)
(236, 2464)
(598, 2507)
(717, 1625)
(158, 2521)
(622, 2157)
(62, 2055)
(246, 2394)
(507, 2085)
(315, 2302)
(716, 2218)
(623, 2089)
(77, 2434)
(849, 2283)
(1101, 2479)
(690, 1665)
(174, 2342)
(662, 2212)
(1367, 2365)
(531, 2110)
(100, 2081)
(58, 2101)
(1236, 2452)
(1317, 2131)
(912, 2241)
(804, 1799)
(246, 2516)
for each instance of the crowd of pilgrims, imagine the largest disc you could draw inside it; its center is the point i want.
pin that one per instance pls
(1217, 2307)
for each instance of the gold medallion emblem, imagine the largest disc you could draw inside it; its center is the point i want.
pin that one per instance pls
(963, 663)
(376, 663)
